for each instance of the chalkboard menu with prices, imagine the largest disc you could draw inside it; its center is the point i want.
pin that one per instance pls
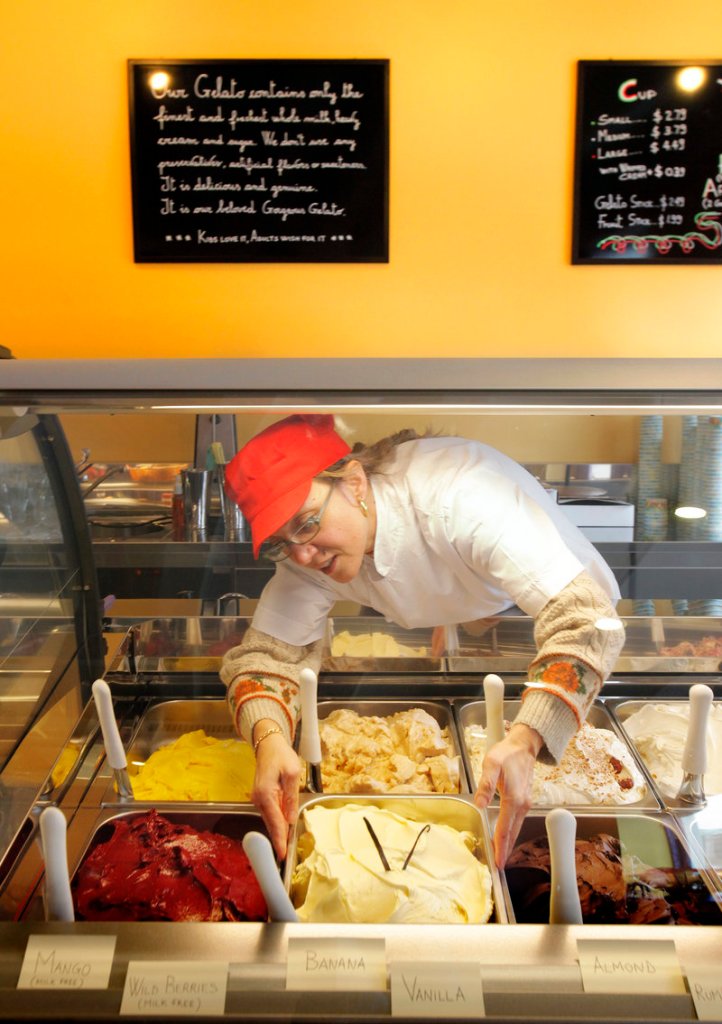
(248, 161)
(648, 174)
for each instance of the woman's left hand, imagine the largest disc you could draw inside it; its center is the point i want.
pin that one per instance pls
(509, 767)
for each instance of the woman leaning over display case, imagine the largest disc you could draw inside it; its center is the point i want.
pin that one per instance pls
(427, 531)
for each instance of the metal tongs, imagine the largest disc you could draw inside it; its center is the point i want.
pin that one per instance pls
(694, 757)
(310, 745)
(114, 749)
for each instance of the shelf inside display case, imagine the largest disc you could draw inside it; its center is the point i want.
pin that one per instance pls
(368, 644)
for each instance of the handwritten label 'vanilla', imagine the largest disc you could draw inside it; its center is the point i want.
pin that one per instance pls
(353, 965)
(420, 989)
(69, 962)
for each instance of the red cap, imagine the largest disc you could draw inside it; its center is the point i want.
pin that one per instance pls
(271, 476)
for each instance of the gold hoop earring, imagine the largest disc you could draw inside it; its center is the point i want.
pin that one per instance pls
(364, 508)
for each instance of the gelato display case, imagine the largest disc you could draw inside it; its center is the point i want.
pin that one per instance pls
(653, 894)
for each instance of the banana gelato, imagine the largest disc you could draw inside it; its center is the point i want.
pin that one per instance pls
(197, 767)
(597, 768)
(433, 876)
(372, 645)
(659, 732)
(407, 752)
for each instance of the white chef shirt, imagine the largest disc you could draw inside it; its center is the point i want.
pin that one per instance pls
(462, 532)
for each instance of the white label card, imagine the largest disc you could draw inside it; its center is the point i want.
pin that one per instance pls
(705, 984)
(336, 965)
(183, 988)
(67, 961)
(629, 965)
(422, 989)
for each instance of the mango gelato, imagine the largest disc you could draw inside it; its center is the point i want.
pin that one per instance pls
(197, 767)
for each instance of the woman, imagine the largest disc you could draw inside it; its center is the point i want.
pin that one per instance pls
(427, 531)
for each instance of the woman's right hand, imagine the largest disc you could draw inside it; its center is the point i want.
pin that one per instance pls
(275, 786)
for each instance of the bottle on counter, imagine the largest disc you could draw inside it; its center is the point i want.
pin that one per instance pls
(178, 510)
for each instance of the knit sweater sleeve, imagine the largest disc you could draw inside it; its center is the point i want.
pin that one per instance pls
(262, 680)
(574, 657)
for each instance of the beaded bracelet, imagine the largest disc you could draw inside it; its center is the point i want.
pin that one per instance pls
(264, 735)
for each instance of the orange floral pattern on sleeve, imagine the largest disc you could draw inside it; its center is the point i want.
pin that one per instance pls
(564, 674)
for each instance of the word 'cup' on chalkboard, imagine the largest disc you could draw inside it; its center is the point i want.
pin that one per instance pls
(648, 175)
(240, 161)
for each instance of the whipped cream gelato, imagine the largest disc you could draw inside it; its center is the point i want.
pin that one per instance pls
(340, 876)
(659, 732)
(407, 752)
(597, 768)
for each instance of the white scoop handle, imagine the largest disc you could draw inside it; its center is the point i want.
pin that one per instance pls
(53, 833)
(694, 758)
(260, 853)
(494, 698)
(114, 749)
(564, 905)
(310, 746)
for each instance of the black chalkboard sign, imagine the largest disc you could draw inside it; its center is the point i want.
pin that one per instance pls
(238, 161)
(648, 175)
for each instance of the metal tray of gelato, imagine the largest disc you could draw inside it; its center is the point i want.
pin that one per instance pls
(631, 869)
(390, 746)
(371, 644)
(652, 644)
(598, 767)
(187, 750)
(392, 860)
(179, 644)
(161, 864)
(657, 731)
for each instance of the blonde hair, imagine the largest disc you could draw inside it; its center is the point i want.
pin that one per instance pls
(374, 457)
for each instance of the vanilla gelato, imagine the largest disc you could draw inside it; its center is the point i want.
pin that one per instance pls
(407, 752)
(196, 767)
(659, 732)
(341, 876)
(372, 645)
(597, 768)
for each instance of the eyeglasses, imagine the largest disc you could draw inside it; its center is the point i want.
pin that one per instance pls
(277, 550)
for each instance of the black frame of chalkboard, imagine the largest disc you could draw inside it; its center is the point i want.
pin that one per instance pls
(653, 257)
(376, 224)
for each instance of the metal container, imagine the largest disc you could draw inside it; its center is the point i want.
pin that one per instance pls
(458, 812)
(473, 713)
(179, 644)
(440, 711)
(623, 710)
(652, 644)
(655, 840)
(379, 630)
(232, 824)
(91, 826)
(161, 724)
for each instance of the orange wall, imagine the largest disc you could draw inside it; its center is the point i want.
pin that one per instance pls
(482, 116)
